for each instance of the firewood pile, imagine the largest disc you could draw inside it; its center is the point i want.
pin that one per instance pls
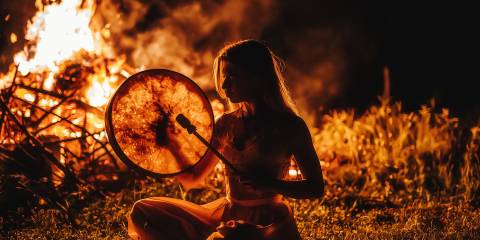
(52, 134)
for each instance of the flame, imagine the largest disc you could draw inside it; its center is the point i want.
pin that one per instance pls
(55, 35)
(293, 173)
(49, 82)
(29, 97)
(99, 92)
(59, 31)
(63, 76)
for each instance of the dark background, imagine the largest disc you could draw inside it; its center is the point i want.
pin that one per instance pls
(428, 47)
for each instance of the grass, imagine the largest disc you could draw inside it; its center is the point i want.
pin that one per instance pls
(335, 218)
(413, 221)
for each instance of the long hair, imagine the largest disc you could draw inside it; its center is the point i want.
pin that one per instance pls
(258, 59)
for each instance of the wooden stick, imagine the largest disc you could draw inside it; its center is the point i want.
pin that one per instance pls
(8, 129)
(73, 154)
(87, 107)
(70, 122)
(71, 139)
(35, 141)
(7, 97)
(46, 153)
(45, 127)
(83, 129)
(42, 91)
(45, 114)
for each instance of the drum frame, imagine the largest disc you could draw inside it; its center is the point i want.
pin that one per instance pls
(111, 133)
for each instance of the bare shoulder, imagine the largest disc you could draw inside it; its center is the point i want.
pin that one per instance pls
(292, 121)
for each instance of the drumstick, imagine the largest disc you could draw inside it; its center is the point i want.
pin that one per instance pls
(185, 123)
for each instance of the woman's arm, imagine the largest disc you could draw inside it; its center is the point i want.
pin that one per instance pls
(307, 160)
(196, 176)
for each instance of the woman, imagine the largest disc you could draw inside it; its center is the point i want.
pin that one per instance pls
(259, 137)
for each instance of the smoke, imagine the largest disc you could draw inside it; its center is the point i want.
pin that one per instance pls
(14, 16)
(183, 36)
(316, 67)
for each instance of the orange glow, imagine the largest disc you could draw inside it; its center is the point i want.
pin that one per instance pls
(13, 38)
(66, 74)
(57, 39)
(293, 173)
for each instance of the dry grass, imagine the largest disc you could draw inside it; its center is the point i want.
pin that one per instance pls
(389, 154)
(417, 220)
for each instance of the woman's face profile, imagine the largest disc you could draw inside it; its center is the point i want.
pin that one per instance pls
(238, 83)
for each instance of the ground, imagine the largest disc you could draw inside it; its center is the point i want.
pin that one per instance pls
(351, 217)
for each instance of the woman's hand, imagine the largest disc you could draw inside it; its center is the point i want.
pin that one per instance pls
(195, 176)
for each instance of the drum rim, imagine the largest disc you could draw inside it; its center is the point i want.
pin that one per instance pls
(111, 134)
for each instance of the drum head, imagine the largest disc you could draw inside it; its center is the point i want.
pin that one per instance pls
(141, 126)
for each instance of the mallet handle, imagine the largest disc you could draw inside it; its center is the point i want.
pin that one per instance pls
(185, 123)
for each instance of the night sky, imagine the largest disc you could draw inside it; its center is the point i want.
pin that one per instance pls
(428, 48)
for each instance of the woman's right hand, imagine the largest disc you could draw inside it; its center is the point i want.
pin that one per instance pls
(195, 176)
